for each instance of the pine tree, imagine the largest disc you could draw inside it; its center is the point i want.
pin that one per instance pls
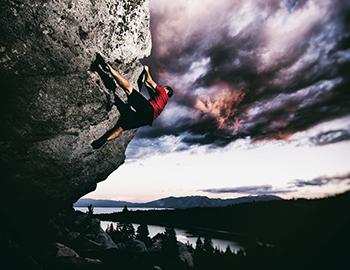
(208, 245)
(228, 250)
(115, 233)
(125, 209)
(217, 250)
(189, 245)
(170, 246)
(199, 244)
(110, 229)
(127, 231)
(142, 234)
(90, 210)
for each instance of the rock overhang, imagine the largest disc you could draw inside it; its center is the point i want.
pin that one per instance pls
(52, 106)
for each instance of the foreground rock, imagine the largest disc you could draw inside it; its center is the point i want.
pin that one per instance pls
(52, 106)
(67, 258)
(82, 244)
(83, 233)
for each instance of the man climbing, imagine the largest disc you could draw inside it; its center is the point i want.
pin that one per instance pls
(138, 111)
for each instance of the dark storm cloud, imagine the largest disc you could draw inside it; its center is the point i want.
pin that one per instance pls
(294, 186)
(251, 190)
(322, 180)
(332, 136)
(263, 69)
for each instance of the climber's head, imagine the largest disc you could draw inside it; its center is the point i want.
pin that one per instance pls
(169, 91)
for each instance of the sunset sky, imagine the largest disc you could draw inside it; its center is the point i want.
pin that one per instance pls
(261, 102)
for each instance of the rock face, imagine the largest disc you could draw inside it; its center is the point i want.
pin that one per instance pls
(52, 106)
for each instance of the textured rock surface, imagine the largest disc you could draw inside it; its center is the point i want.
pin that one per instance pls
(134, 246)
(91, 235)
(52, 107)
(63, 251)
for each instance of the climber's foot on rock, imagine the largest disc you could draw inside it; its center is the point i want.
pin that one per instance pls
(106, 67)
(98, 143)
(99, 63)
(94, 66)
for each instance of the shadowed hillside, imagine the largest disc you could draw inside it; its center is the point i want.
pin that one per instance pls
(300, 229)
(176, 202)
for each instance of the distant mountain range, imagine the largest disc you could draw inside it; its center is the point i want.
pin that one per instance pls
(177, 202)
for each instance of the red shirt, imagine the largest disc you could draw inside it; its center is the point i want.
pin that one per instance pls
(158, 100)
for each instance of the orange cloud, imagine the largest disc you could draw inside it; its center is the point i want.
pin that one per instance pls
(280, 135)
(222, 104)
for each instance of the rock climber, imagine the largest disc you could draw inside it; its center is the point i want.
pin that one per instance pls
(139, 111)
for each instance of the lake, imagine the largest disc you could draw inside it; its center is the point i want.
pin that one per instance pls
(182, 235)
(109, 210)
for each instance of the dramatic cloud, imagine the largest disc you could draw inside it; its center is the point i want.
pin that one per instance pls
(293, 187)
(332, 136)
(251, 190)
(333, 131)
(322, 181)
(259, 69)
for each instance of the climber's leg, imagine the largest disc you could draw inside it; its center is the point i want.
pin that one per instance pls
(115, 134)
(140, 104)
(110, 135)
(141, 80)
(123, 83)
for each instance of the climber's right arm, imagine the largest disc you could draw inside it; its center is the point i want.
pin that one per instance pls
(149, 80)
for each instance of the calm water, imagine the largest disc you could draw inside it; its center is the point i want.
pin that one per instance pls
(182, 235)
(109, 210)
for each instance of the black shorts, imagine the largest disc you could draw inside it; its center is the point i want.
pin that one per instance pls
(136, 113)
